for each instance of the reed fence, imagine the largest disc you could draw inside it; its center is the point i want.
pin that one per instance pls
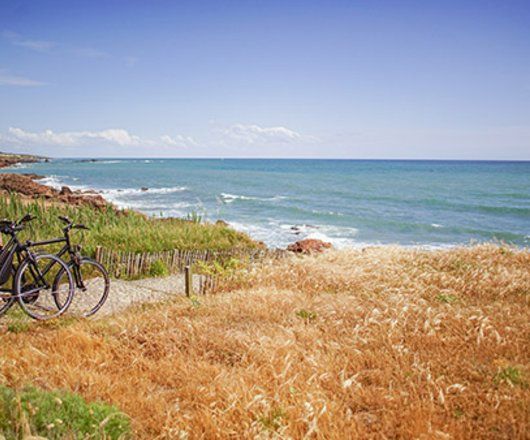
(135, 265)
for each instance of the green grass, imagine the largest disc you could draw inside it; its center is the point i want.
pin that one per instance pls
(57, 415)
(446, 298)
(306, 315)
(511, 376)
(122, 230)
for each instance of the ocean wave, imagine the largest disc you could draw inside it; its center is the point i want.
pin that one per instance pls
(280, 235)
(229, 198)
(154, 207)
(52, 181)
(123, 192)
(330, 213)
(19, 166)
(57, 182)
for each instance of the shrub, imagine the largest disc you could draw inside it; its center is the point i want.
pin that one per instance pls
(158, 269)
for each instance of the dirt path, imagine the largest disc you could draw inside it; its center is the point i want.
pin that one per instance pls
(123, 293)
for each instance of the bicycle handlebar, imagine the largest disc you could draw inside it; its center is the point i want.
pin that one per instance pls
(9, 226)
(71, 225)
(27, 218)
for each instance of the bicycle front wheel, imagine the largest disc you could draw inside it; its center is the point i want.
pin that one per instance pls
(37, 293)
(92, 285)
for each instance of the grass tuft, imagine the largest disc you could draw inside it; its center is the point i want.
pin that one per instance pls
(56, 415)
(511, 376)
(158, 269)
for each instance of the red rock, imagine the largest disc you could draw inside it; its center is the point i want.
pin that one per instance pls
(25, 186)
(309, 246)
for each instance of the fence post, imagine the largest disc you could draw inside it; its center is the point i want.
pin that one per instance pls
(189, 281)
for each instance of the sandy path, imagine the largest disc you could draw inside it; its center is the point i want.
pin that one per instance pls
(124, 294)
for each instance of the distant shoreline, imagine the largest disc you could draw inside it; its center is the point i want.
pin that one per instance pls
(12, 159)
(323, 159)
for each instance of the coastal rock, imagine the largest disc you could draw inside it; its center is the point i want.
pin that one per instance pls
(17, 183)
(33, 176)
(221, 223)
(309, 246)
(27, 187)
(8, 159)
(144, 188)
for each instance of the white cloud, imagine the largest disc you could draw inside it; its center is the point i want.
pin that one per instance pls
(51, 46)
(255, 135)
(109, 137)
(7, 79)
(178, 140)
(37, 45)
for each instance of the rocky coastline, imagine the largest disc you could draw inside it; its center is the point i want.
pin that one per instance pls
(27, 186)
(10, 159)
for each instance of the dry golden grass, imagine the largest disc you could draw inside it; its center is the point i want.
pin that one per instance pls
(381, 343)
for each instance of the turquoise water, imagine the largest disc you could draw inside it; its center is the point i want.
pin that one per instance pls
(349, 202)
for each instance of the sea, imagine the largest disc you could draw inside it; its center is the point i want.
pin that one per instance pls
(346, 202)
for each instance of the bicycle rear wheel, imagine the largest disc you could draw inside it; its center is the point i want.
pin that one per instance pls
(92, 284)
(37, 293)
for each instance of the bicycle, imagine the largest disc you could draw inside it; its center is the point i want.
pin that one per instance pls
(90, 276)
(34, 283)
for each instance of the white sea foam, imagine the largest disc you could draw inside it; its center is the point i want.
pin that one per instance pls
(18, 166)
(436, 225)
(277, 234)
(124, 192)
(229, 198)
(154, 207)
(52, 181)
(122, 197)
(57, 182)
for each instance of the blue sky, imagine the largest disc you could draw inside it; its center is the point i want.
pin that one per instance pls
(343, 79)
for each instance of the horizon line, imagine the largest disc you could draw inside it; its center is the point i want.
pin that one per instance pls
(279, 158)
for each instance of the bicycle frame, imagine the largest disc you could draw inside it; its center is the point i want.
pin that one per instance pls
(15, 248)
(67, 248)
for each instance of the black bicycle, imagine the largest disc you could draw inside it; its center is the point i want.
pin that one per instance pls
(34, 276)
(91, 279)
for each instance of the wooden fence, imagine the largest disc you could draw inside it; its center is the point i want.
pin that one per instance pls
(134, 265)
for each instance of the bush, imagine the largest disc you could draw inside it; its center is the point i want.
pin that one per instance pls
(55, 415)
(158, 269)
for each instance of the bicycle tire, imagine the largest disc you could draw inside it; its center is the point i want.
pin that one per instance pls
(104, 284)
(30, 306)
